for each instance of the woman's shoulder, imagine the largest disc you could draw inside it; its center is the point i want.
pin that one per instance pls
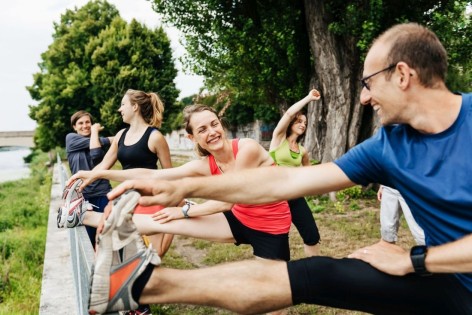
(251, 146)
(154, 132)
(247, 142)
(119, 133)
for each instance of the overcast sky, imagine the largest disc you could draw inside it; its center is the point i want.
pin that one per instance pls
(26, 28)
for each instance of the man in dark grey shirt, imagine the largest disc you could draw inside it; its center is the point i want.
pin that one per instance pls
(85, 149)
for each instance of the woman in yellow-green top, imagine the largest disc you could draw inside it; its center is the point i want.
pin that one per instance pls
(286, 150)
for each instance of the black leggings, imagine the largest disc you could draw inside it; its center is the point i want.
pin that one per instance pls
(303, 220)
(355, 285)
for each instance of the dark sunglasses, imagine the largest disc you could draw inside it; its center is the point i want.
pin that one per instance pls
(364, 82)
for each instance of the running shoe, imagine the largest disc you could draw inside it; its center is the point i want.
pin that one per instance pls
(72, 211)
(142, 310)
(112, 278)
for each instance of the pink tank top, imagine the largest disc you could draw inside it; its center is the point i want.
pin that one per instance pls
(272, 218)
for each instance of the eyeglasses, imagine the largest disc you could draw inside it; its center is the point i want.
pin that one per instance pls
(364, 82)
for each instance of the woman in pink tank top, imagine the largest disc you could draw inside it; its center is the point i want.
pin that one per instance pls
(265, 227)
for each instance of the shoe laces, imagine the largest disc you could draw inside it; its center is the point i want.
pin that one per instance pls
(89, 206)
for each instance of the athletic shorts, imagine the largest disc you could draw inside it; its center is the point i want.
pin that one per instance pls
(355, 285)
(264, 245)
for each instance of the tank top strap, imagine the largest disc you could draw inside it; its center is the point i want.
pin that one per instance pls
(123, 136)
(148, 132)
(214, 169)
(235, 143)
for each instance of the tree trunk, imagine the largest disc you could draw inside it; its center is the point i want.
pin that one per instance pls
(338, 121)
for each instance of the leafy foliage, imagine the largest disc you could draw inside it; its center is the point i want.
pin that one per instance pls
(94, 58)
(256, 54)
(253, 53)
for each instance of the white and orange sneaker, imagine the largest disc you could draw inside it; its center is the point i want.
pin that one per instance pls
(112, 278)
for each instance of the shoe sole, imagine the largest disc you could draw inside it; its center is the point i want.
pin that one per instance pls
(100, 285)
(63, 211)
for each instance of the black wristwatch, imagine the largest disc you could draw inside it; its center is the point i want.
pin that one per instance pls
(418, 257)
(185, 209)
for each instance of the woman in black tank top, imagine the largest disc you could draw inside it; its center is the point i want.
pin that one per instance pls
(141, 145)
(137, 155)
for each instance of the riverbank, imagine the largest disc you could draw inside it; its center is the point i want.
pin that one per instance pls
(12, 165)
(24, 208)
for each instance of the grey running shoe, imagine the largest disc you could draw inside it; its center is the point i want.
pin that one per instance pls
(113, 278)
(72, 211)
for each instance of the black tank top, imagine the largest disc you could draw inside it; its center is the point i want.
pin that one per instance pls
(137, 155)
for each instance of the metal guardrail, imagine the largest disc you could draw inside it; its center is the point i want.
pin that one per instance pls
(81, 253)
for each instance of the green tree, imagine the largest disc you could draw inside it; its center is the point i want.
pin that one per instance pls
(94, 58)
(266, 54)
(339, 33)
(254, 54)
(131, 56)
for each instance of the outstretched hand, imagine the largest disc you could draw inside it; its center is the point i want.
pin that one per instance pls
(386, 257)
(87, 178)
(168, 214)
(153, 192)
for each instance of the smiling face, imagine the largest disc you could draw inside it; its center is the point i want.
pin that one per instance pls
(83, 125)
(207, 131)
(384, 93)
(298, 125)
(127, 110)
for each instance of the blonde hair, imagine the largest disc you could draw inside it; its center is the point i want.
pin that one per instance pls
(150, 106)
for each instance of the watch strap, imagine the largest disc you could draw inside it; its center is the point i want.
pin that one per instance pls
(418, 257)
(185, 209)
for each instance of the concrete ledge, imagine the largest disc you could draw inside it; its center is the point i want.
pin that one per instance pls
(58, 294)
(68, 260)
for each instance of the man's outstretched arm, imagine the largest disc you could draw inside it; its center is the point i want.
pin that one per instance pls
(253, 186)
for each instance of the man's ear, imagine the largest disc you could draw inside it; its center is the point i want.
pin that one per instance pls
(405, 74)
(190, 137)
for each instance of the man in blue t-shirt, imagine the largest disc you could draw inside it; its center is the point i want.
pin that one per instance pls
(423, 151)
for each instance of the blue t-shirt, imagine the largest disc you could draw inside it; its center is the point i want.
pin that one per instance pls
(432, 172)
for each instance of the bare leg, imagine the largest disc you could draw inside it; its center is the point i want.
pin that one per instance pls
(312, 250)
(92, 218)
(161, 242)
(247, 287)
(212, 227)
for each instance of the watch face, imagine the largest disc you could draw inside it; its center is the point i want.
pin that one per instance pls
(418, 250)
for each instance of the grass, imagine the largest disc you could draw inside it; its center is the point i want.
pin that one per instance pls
(345, 225)
(24, 210)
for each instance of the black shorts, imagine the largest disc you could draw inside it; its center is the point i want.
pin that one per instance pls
(264, 245)
(355, 285)
(304, 221)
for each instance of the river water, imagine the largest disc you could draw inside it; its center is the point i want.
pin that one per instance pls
(12, 165)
